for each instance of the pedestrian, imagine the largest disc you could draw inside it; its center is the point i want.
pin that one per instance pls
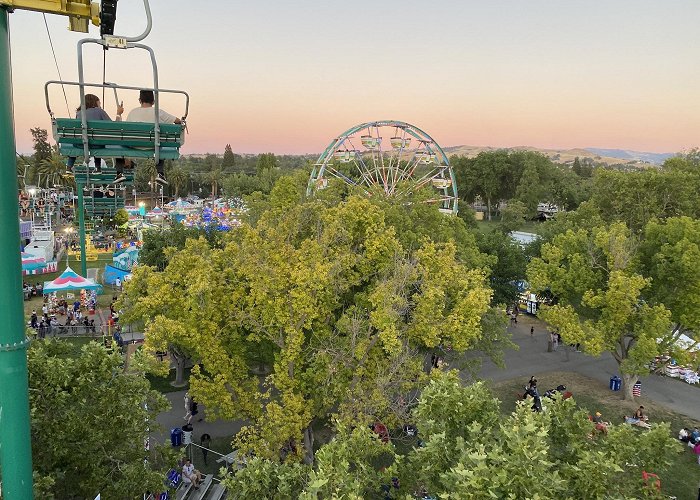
(532, 332)
(194, 410)
(188, 407)
(555, 341)
(205, 442)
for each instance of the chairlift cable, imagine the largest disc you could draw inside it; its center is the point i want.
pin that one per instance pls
(48, 32)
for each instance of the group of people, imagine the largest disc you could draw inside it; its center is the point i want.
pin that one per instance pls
(144, 113)
(32, 290)
(692, 439)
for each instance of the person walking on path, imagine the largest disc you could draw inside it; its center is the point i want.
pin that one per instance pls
(555, 341)
(532, 332)
(205, 442)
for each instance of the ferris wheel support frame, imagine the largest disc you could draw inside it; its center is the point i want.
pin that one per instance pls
(412, 130)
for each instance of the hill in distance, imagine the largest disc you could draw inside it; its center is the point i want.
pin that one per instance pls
(567, 156)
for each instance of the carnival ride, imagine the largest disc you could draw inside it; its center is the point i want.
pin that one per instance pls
(391, 158)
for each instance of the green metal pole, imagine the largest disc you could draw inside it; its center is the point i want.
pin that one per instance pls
(81, 223)
(15, 441)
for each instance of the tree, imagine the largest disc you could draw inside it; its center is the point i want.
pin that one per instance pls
(577, 167)
(229, 160)
(509, 266)
(178, 178)
(512, 216)
(603, 302)
(266, 163)
(76, 460)
(345, 310)
(52, 170)
(121, 217)
(345, 468)
(42, 148)
(468, 449)
(670, 255)
(637, 197)
(214, 178)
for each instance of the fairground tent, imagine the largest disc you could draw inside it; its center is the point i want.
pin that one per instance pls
(31, 262)
(69, 280)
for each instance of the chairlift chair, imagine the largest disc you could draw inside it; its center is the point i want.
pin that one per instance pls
(107, 139)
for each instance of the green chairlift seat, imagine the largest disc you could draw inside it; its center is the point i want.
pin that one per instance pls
(108, 139)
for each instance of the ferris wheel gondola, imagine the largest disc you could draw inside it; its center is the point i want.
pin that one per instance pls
(413, 161)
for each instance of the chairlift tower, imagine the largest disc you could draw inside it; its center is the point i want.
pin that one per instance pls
(15, 442)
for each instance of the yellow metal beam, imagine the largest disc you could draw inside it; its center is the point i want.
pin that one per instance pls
(79, 11)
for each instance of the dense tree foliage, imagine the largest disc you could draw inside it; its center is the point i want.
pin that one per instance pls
(620, 293)
(155, 241)
(90, 421)
(467, 449)
(343, 309)
(525, 176)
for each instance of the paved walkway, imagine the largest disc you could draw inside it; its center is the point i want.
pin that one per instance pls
(175, 418)
(533, 358)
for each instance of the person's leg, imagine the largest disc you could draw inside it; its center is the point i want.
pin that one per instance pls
(98, 164)
(119, 166)
(160, 178)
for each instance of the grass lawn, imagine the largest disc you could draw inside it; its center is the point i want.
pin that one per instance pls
(681, 480)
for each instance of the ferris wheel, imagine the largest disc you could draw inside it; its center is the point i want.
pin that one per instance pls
(389, 157)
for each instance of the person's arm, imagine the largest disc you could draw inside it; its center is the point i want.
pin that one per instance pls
(166, 117)
(120, 111)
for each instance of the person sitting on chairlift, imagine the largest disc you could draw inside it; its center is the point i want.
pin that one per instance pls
(145, 114)
(94, 112)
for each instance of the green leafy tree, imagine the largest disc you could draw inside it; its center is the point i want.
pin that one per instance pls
(602, 298)
(90, 421)
(266, 162)
(508, 268)
(670, 255)
(121, 217)
(512, 216)
(577, 166)
(469, 447)
(637, 197)
(213, 178)
(469, 450)
(42, 148)
(229, 160)
(347, 312)
(178, 179)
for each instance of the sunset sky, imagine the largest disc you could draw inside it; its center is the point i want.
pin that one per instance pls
(287, 76)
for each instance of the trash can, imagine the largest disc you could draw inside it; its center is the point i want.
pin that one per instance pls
(615, 383)
(187, 434)
(176, 436)
(637, 389)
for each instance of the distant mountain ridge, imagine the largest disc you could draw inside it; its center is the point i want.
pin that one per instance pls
(625, 154)
(567, 156)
